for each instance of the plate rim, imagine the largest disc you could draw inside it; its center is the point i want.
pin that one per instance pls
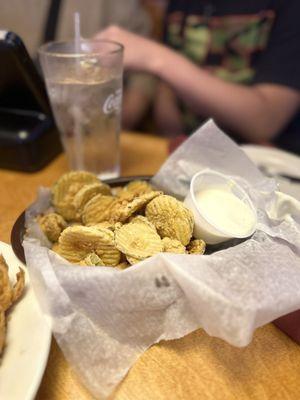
(34, 385)
(258, 152)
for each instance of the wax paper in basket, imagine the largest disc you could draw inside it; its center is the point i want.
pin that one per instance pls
(104, 318)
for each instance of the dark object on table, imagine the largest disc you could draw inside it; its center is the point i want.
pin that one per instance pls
(28, 137)
(290, 324)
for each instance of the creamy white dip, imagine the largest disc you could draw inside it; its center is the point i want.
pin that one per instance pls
(226, 211)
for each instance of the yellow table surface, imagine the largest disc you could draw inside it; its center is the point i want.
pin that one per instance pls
(194, 367)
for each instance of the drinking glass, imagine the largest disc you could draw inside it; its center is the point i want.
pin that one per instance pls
(84, 84)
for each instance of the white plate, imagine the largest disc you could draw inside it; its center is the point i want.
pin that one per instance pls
(27, 342)
(276, 162)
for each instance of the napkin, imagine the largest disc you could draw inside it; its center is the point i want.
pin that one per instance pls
(104, 318)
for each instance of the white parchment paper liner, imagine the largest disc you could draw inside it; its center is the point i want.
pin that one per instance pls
(104, 318)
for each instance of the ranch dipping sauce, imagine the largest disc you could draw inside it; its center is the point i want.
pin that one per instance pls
(225, 211)
(221, 207)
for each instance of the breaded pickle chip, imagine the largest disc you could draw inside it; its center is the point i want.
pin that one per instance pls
(97, 209)
(134, 189)
(75, 223)
(125, 195)
(64, 190)
(171, 218)
(77, 242)
(122, 210)
(87, 192)
(138, 240)
(140, 218)
(117, 190)
(91, 259)
(123, 265)
(133, 260)
(55, 247)
(173, 246)
(137, 188)
(52, 225)
(2, 330)
(9, 293)
(105, 224)
(196, 246)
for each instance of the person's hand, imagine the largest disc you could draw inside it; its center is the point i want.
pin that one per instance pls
(139, 52)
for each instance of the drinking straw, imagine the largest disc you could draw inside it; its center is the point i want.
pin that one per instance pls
(77, 31)
(77, 113)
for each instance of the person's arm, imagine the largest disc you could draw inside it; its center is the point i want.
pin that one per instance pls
(138, 96)
(166, 112)
(256, 113)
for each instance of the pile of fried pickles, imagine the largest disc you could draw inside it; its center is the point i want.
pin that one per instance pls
(8, 296)
(95, 225)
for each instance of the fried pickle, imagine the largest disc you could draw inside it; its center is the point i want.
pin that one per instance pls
(8, 295)
(196, 246)
(65, 189)
(173, 246)
(138, 240)
(77, 242)
(52, 225)
(98, 209)
(171, 218)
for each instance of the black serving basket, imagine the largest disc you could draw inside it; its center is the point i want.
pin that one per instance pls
(289, 324)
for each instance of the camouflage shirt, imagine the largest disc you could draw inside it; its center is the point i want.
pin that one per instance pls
(246, 42)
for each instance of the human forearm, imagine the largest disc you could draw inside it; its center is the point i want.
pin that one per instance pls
(253, 112)
(256, 113)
